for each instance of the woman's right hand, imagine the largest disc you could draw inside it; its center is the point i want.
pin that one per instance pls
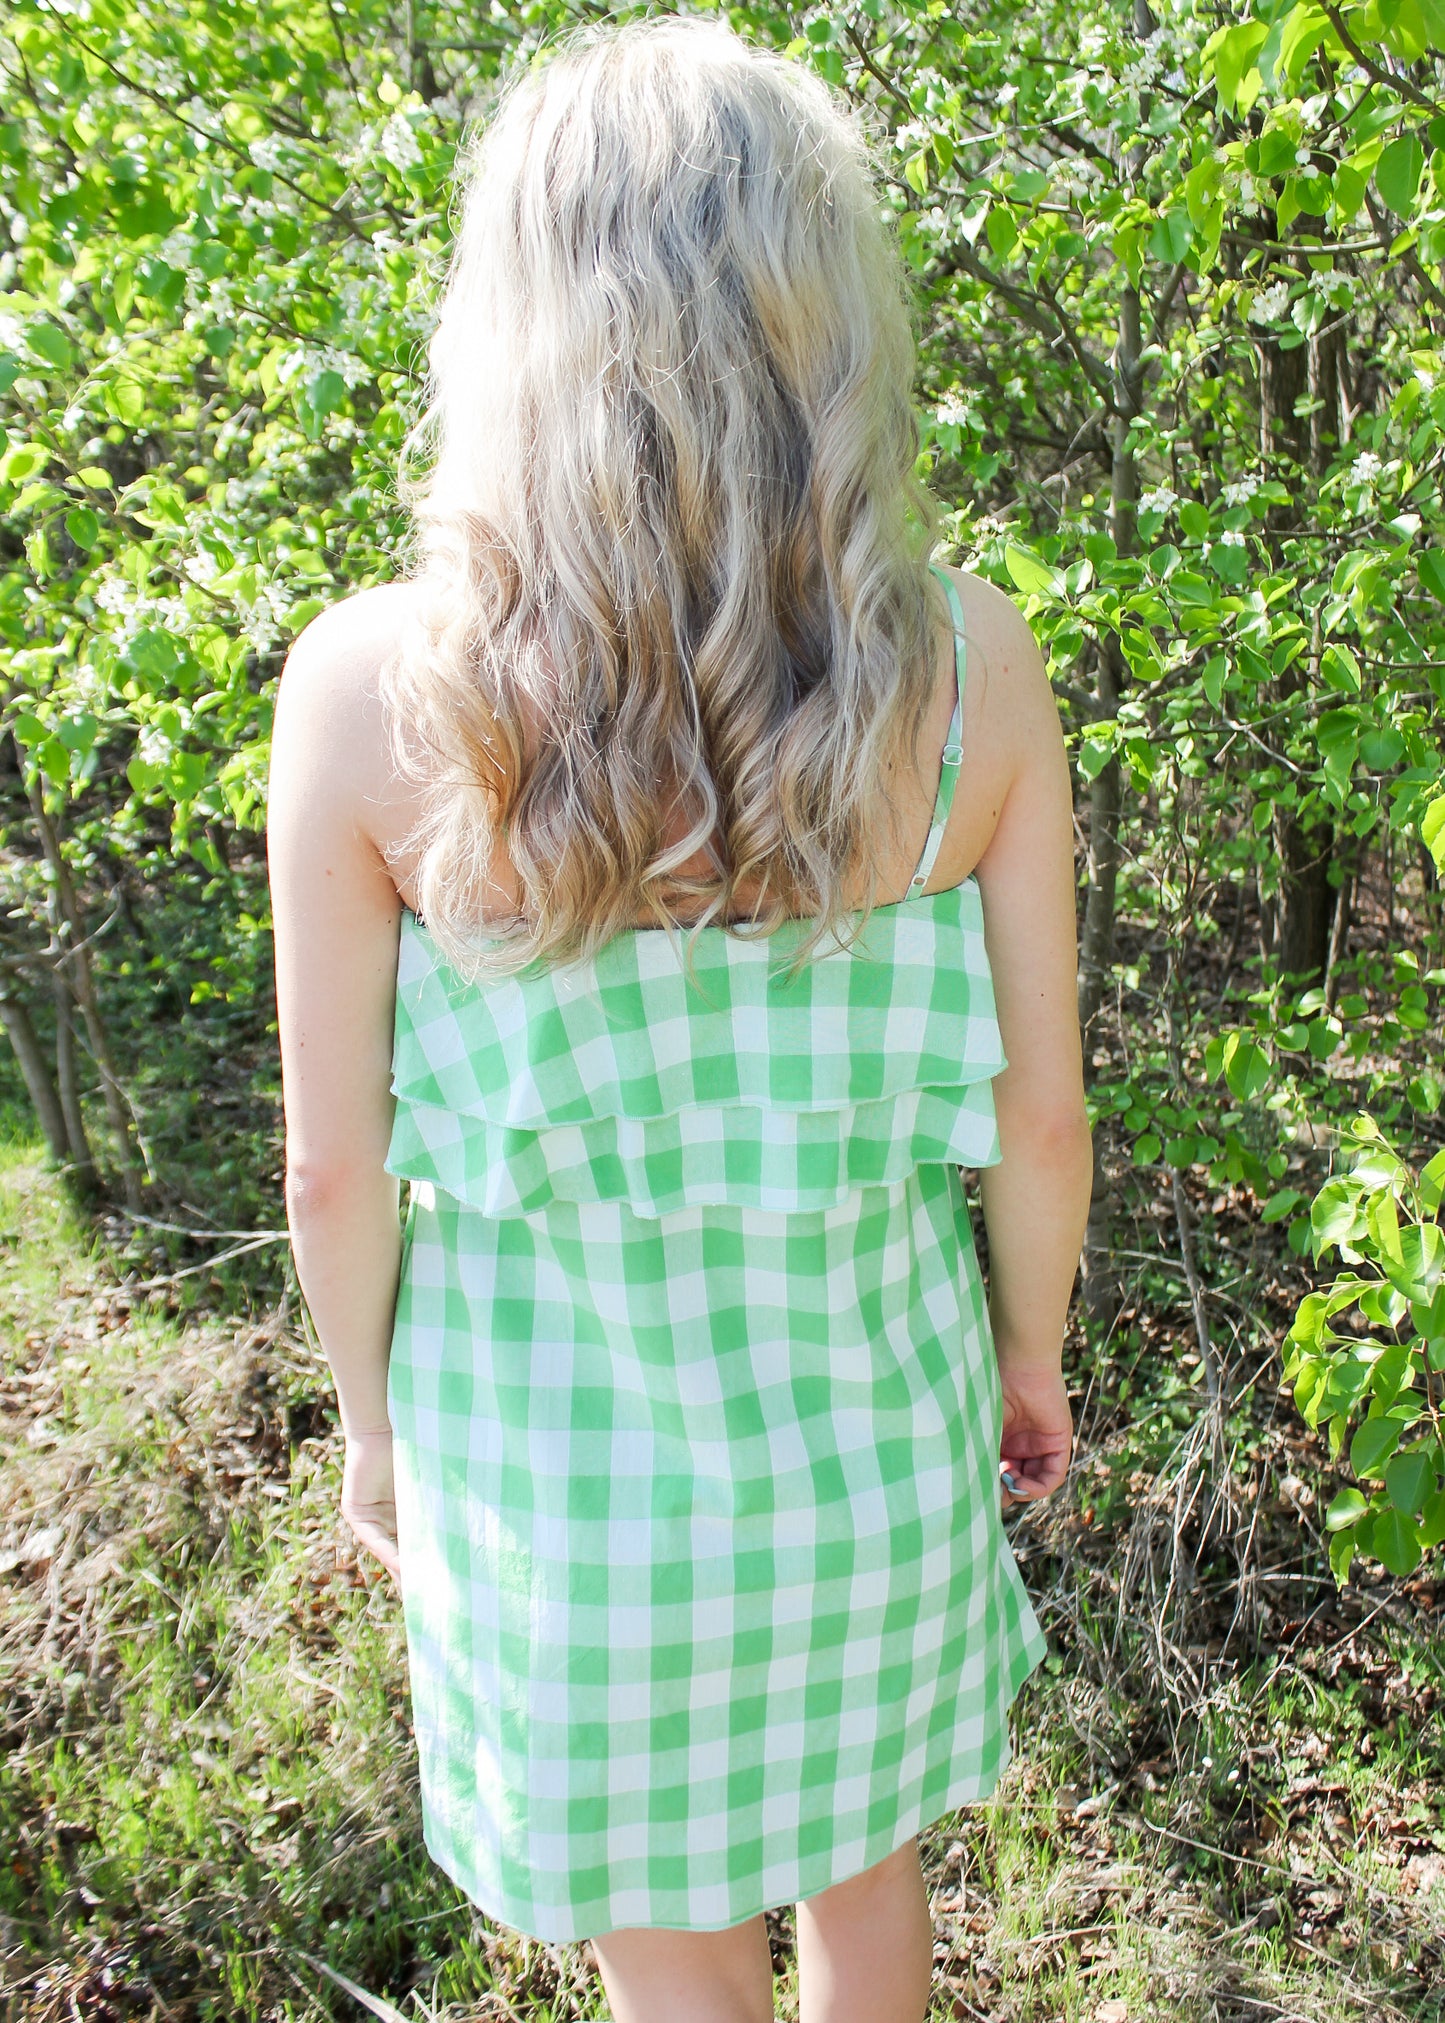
(368, 1495)
(1038, 1431)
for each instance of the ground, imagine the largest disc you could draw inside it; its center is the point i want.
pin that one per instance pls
(1226, 1801)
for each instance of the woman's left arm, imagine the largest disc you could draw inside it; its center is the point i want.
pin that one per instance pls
(336, 919)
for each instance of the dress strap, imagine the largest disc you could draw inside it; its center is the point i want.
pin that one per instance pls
(952, 746)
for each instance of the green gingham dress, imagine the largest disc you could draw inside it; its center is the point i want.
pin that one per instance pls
(696, 1416)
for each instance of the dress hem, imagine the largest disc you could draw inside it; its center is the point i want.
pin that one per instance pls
(967, 1791)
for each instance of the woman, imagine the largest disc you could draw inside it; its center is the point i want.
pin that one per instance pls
(630, 866)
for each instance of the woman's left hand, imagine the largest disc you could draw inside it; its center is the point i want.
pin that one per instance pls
(368, 1496)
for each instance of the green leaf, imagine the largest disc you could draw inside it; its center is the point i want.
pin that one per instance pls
(1432, 1520)
(1338, 734)
(1396, 1542)
(1418, 1270)
(1432, 829)
(1302, 29)
(1381, 749)
(1426, 1092)
(83, 527)
(1172, 237)
(1397, 172)
(1409, 1479)
(1234, 51)
(125, 401)
(1001, 231)
(1382, 1218)
(149, 214)
(1146, 1149)
(51, 344)
(1246, 1067)
(22, 461)
(1430, 566)
(1347, 1509)
(1374, 1442)
(1342, 1552)
(1391, 1367)
(1031, 573)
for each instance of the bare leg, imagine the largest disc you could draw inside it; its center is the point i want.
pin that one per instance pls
(865, 1947)
(688, 1977)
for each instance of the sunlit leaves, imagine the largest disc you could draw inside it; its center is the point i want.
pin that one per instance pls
(1380, 1215)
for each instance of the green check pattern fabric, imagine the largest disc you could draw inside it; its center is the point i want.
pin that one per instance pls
(696, 1417)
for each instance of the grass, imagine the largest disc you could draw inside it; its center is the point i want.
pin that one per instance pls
(207, 1796)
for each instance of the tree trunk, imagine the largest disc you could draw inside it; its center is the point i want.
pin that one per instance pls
(39, 1082)
(1099, 1275)
(75, 962)
(1312, 373)
(81, 1165)
(1306, 898)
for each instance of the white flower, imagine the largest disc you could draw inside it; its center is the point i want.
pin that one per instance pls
(1425, 377)
(1144, 69)
(268, 153)
(1270, 303)
(952, 410)
(1081, 174)
(114, 595)
(362, 148)
(202, 567)
(1366, 468)
(1231, 538)
(399, 144)
(260, 628)
(1237, 493)
(1159, 500)
(1006, 94)
(295, 360)
(1303, 158)
(353, 371)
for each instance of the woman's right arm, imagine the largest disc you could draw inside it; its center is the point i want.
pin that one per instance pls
(1036, 1201)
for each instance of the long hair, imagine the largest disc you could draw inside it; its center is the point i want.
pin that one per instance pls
(673, 543)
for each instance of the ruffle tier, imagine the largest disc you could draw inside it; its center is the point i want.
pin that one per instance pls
(624, 1079)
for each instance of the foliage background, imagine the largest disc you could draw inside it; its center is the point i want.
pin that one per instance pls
(1180, 276)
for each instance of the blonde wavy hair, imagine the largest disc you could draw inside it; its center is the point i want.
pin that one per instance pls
(674, 549)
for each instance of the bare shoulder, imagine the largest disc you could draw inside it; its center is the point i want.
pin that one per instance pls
(1006, 678)
(329, 700)
(1011, 730)
(342, 651)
